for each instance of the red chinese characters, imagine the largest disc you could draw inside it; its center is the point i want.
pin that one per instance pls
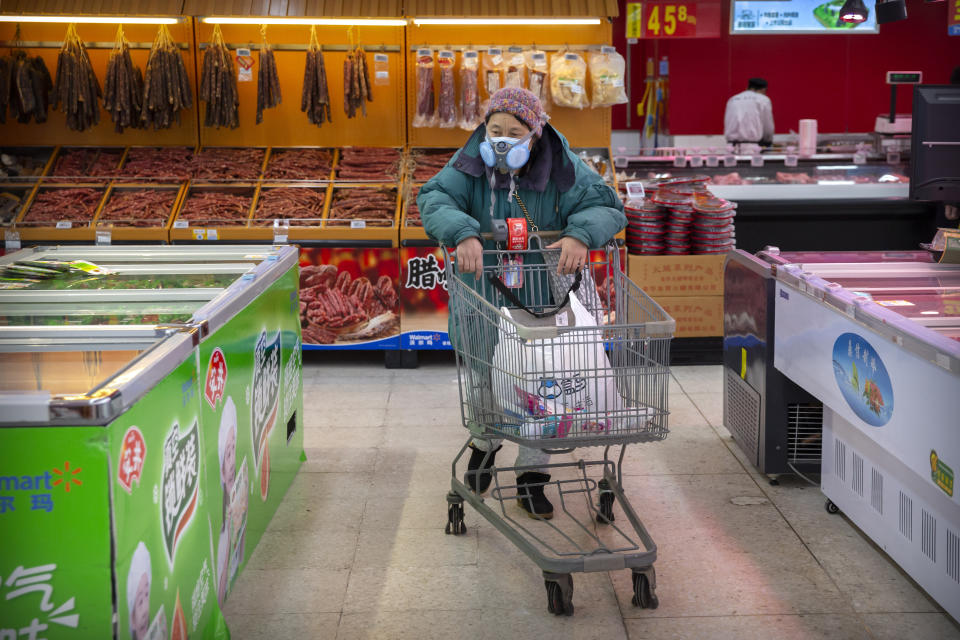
(216, 378)
(133, 452)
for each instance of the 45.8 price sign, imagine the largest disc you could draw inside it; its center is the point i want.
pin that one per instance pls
(669, 19)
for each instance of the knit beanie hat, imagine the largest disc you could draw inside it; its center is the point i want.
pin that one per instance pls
(521, 104)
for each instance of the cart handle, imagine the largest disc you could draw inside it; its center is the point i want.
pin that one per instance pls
(503, 289)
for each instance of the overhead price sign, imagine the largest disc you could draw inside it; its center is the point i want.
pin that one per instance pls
(669, 19)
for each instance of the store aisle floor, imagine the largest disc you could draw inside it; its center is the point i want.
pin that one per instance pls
(357, 549)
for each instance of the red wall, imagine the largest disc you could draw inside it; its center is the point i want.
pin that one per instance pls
(837, 79)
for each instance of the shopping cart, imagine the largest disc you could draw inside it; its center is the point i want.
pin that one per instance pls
(622, 363)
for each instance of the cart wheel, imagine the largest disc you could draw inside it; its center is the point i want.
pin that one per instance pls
(830, 507)
(643, 593)
(605, 508)
(455, 523)
(559, 593)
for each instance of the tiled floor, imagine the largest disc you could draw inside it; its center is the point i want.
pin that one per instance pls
(357, 548)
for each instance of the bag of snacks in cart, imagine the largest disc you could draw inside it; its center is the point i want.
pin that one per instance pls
(426, 115)
(538, 76)
(470, 114)
(607, 69)
(568, 80)
(561, 386)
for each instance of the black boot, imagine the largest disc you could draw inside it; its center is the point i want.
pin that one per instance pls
(530, 495)
(474, 476)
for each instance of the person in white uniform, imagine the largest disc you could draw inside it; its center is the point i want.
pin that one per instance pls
(749, 115)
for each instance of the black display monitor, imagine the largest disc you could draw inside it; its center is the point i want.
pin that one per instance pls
(935, 144)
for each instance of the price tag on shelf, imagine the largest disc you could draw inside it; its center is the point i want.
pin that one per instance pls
(696, 161)
(380, 57)
(181, 224)
(64, 224)
(756, 161)
(713, 161)
(103, 238)
(860, 157)
(893, 157)
(608, 50)
(199, 234)
(281, 230)
(790, 160)
(635, 190)
(729, 160)
(679, 161)
(358, 224)
(11, 240)
(212, 234)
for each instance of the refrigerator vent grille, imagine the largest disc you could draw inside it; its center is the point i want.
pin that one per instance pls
(741, 414)
(928, 533)
(857, 474)
(876, 490)
(804, 432)
(840, 459)
(906, 516)
(953, 555)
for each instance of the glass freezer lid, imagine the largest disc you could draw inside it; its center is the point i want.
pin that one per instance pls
(939, 312)
(97, 313)
(83, 375)
(153, 255)
(157, 278)
(889, 278)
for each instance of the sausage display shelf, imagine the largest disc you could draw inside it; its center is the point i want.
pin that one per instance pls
(138, 212)
(164, 448)
(59, 212)
(879, 345)
(215, 212)
(23, 164)
(85, 163)
(825, 203)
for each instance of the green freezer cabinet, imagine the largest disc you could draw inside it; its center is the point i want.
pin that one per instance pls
(147, 435)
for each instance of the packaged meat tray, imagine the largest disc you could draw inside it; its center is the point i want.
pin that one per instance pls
(214, 212)
(22, 163)
(227, 164)
(61, 212)
(139, 212)
(168, 164)
(363, 212)
(90, 164)
(369, 164)
(311, 164)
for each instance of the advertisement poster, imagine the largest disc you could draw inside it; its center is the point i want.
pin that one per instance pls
(164, 561)
(53, 489)
(348, 298)
(251, 406)
(423, 299)
(796, 16)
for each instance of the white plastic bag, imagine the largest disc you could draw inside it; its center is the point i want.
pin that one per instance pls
(557, 387)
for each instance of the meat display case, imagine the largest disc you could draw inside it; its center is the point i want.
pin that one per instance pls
(775, 423)
(824, 203)
(879, 345)
(155, 413)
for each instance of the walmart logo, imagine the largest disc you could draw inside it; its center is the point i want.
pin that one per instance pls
(39, 487)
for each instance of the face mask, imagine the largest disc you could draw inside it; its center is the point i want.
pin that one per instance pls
(506, 154)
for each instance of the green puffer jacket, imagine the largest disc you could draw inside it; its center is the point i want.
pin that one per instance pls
(559, 190)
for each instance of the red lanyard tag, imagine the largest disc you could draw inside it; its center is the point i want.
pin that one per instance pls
(516, 234)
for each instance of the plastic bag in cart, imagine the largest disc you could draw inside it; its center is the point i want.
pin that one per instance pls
(559, 387)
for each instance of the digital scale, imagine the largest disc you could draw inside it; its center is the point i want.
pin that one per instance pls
(894, 123)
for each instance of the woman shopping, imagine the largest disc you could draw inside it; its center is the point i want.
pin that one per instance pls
(515, 165)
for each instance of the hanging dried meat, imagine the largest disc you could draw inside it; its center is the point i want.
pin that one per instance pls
(356, 83)
(315, 98)
(123, 86)
(470, 115)
(268, 81)
(426, 104)
(25, 86)
(447, 104)
(76, 89)
(218, 85)
(166, 87)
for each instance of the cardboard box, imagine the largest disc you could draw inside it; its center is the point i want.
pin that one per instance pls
(678, 275)
(696, 316)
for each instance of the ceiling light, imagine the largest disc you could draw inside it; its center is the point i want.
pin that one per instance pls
(853, 11)
(325, 22)
(88, 19)
(506, 21)
(891, 11)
